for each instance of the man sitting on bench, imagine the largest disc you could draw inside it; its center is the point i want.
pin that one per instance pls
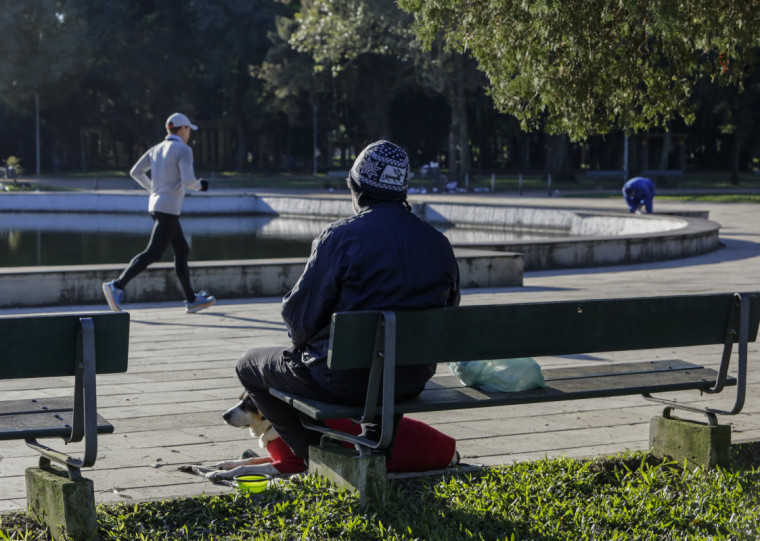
(382, 258)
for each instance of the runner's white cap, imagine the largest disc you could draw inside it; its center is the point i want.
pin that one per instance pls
(177, 120)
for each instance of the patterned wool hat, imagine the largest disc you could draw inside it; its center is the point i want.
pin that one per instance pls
(381, 171)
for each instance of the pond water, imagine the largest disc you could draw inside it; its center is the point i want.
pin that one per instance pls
(47, 239)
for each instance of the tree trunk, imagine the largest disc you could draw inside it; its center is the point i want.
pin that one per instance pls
(737, 141)
(236, 110)
(240, 154)
(465, 156)
(380, 123)
(742, 106)
(452, 158)
(667, 148)
(558, 158)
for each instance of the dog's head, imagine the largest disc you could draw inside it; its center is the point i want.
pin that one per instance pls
(245, 414)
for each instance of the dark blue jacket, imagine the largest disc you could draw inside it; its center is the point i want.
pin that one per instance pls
(642, 193)
(384, 257)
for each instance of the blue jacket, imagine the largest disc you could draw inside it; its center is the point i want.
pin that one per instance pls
(643, 193)
(384, 257)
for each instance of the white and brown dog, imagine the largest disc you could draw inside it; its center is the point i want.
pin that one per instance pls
(279, 460)
(418, 446)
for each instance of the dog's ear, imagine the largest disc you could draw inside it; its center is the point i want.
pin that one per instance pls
(250, 406)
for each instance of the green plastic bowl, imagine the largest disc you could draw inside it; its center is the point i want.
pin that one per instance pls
(252, 483)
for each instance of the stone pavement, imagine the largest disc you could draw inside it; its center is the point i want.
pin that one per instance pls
(166, 409)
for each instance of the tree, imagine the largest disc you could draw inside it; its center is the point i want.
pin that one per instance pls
(728, 120)
(44, 50)
(195, 57)
(235, 37)
(375, 38)
(584, 67)
(143, 70)
(348, 37)
(45, 56)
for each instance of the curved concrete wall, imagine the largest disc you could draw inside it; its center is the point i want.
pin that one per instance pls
(81, 284)
(196, 203)
(594, 239)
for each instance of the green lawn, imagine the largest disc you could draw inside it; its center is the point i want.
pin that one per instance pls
(689, 185)
(632, 496)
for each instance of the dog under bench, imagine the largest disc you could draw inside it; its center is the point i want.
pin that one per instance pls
(78, 345)
(383, 340)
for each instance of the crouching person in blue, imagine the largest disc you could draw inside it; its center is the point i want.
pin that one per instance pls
(639, 192)
(383, 257)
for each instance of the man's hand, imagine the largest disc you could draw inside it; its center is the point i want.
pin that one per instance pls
(204, 184)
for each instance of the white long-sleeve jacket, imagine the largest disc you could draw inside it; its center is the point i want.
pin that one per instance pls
(171, 165)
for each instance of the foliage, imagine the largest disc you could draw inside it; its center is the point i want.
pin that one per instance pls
(15, 163)
(375, 39)
(628, 497)
(364, 46)
(586, 67)
(335, 32)
(108, 73)
(44, 50)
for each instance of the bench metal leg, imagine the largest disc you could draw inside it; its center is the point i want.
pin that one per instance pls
(73, 465)
(736, 331)
(85, 415)
(382, 379)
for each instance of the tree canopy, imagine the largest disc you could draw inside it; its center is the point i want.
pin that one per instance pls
(43, 50)
(585, 67)
(271, 81)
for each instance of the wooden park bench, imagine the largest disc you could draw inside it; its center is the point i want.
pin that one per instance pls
(383, 340)
(55, 346)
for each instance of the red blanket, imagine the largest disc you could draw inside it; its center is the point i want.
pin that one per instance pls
(418, 447)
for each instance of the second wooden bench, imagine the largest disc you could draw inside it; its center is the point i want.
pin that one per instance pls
(382, 340)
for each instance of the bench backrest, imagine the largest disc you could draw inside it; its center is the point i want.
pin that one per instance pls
(46, 346)
(538, 329)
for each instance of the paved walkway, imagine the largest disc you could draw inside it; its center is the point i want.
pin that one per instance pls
(167, 407)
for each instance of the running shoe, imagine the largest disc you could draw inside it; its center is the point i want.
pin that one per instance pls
(202, 300)
(114, 295)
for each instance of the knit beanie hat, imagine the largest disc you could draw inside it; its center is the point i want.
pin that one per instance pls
(381, 171)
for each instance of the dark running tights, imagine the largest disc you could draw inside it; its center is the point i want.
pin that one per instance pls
(166, 231)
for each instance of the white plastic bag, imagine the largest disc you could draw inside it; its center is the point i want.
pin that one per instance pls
(500, 375)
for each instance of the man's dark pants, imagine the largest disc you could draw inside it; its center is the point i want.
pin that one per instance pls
(282, 367)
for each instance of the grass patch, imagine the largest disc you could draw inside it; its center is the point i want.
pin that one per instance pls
(503, 183)
(10, 186)
(632, 496)
(688, 187)
(713, 198)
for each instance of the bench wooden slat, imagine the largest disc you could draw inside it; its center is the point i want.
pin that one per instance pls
(562, 384)
(567, 389)
(43, 424)
(45, 346)
(35, 405)
(541, 329)
(611, 369)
